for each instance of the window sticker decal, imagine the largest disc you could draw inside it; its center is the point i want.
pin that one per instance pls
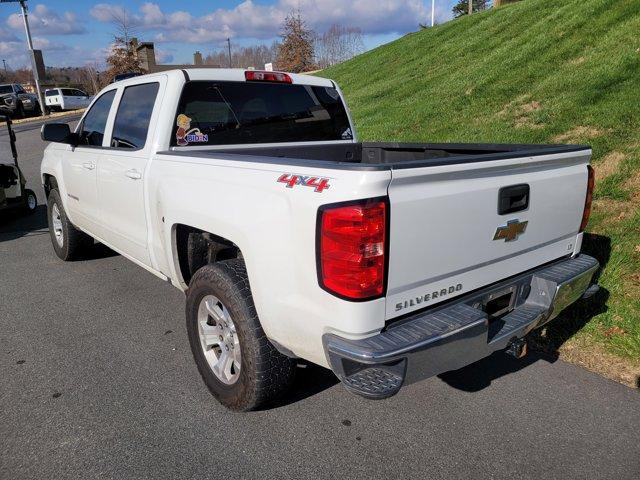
(186, 135)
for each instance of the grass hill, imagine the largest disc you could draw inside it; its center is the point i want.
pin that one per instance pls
(538, 71)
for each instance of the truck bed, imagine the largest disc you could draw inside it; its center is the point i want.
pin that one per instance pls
(379, 156)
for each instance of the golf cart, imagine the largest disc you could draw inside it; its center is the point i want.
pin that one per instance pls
(13, 194)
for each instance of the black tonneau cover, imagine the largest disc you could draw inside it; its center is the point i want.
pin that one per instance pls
(377, 156)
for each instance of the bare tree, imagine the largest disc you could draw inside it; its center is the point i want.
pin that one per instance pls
(123, 57)
(125, 25)
(91, 78)
(244, 57)
(338, 44)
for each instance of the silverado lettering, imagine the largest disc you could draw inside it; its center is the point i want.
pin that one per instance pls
(428, 297)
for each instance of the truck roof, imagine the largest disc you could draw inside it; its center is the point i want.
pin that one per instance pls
(226, 74)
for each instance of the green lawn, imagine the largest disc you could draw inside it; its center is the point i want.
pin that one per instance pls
(537, 71)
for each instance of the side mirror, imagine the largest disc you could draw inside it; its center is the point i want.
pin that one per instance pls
(59, 133)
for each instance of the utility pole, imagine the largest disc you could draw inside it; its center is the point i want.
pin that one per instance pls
(470, 7)
(229, 45)
(433, 11)
(4, 64)
(23, 6)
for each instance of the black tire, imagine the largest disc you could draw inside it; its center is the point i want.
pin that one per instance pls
(74, 241)
(36, 109)
(30, 201)
(19, 113)
(265, 374)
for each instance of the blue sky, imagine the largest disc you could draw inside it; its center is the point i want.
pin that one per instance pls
(79, 32)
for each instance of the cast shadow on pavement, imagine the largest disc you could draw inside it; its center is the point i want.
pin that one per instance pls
(15, 224)
(543, 343)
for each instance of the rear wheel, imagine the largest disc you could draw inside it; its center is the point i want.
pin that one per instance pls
(239, 365)
(30, 201)
(68, 242)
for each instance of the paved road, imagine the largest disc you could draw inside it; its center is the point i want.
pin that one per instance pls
(35, 124)
(97, 381)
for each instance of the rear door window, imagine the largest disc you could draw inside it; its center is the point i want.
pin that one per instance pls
(223, 113)
(95, 121)
(134, 115)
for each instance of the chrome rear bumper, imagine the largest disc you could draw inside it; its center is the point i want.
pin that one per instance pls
(458, 333)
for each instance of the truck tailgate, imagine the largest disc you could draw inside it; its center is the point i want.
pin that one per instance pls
(444, 220)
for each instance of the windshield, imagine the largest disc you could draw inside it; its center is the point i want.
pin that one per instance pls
(224, 113)
(4, 89)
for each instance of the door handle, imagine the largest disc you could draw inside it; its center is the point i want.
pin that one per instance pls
(514, 198)
(133, 174)
(88, 165)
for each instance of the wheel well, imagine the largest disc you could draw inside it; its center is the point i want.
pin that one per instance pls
(50, 183)
(196, 248)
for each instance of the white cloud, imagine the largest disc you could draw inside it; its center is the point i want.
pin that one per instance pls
(7, 36)
(104, 12)
(16, 54)
(46, 21)
(253, 20)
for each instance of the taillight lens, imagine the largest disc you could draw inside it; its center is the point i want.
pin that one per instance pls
(352, 249)
(260, 76)
(591, 183)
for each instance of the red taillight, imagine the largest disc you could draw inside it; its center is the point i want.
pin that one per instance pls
(352, 249)
(591, 183)
(260, 76)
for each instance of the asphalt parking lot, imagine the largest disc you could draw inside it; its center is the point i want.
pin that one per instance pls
(97, 381)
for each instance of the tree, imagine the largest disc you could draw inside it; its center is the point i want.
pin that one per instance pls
(123, 57)
(462, 7)
(337, 45)
(499, 3)
(296, 53)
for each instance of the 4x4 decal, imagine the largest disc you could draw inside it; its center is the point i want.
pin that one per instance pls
(317, 183)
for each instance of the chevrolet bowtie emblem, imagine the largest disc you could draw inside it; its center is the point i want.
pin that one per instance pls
(510, 232)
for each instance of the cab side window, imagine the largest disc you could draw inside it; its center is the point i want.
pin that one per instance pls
(95, 121)
(134, 115)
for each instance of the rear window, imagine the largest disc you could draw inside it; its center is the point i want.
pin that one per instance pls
(224, 113)
(51, 93)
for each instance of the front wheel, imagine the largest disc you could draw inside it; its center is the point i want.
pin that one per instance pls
(68, 242)
(239, 365)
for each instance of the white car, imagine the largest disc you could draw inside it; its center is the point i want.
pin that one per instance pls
(58, 99)
(386, 262)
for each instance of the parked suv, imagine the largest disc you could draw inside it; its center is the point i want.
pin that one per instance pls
(15, 101)
(58, 99)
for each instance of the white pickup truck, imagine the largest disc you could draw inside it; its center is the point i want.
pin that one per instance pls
(385, 262)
